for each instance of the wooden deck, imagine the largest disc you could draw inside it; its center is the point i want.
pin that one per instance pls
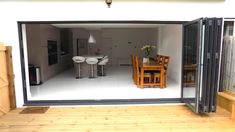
(115, 118)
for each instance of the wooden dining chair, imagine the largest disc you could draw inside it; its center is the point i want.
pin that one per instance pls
(157, 58)
(161, 60)
(156, 79)
(157, 74)
(134, 70)
(133, 67)
(166, 63)
(147, 76)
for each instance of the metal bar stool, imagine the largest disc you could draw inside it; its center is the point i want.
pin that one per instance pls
(92, 62)
(102, 63)
(77, 61)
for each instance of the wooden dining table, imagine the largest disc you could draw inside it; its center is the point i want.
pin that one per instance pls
(151, 66)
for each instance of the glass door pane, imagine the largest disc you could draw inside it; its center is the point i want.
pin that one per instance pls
(191, 59)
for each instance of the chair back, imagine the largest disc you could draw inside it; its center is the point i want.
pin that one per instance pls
(105, 57)
(137, 67)
(137, 71)
(103, 61)
(166, 62)
(157, 58)
(161, 59)
(133, 66)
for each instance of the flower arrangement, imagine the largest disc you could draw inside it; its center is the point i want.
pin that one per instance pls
(148, 49)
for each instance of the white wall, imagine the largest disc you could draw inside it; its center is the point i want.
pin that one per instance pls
(93, 47)
(33, 44)
(37, 36)
(170, 44)
(117, 43)
(124, 42)
(78, 33)
(48, 32)
(13, 11)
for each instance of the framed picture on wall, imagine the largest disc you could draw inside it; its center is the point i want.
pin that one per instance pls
(82, 46)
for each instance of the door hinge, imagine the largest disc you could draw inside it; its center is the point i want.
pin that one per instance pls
(210, 22)
(219, 22)
(208, 55)
(205, 109)
(216, 55)
(213, 108)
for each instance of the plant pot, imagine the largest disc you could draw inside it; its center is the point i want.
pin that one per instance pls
(145, 60)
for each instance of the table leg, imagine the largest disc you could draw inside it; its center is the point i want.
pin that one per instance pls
(233, 111)
(141, 78)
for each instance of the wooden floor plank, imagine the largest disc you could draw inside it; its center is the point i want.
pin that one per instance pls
(116, 119)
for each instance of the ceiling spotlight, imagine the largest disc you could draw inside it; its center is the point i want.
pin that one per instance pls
(108, 2)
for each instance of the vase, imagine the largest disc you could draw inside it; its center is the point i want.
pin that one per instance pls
(145, 60)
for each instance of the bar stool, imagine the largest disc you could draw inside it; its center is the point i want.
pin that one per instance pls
(92, 62)
(77, 61)
(102, 63)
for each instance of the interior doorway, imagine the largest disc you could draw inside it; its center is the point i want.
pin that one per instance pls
(117, 40)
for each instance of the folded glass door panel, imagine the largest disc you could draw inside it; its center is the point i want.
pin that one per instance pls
(210, 77)
(218, 23)
(192, 33)
(201, 60)
(207, 72)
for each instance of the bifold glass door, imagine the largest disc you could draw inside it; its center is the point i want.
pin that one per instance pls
(201, 56)
(192, 42)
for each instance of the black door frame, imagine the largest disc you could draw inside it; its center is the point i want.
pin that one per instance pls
(87, 102)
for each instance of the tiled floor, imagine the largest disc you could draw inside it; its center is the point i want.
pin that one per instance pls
(117, 84)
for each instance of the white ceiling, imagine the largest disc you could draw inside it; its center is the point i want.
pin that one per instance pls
(107, 25)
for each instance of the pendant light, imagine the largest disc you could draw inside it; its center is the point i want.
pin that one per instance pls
(91, 39)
